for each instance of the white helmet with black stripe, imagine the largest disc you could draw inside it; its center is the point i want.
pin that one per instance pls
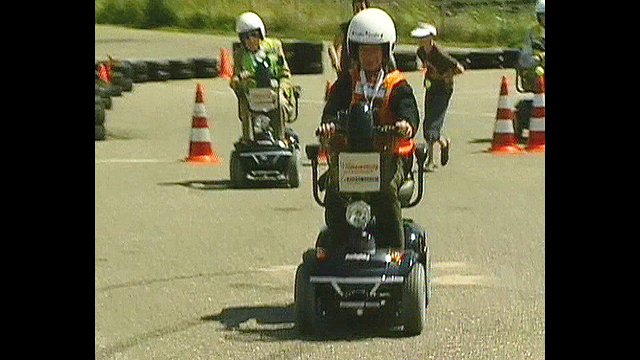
(248, 22)
(371, 26)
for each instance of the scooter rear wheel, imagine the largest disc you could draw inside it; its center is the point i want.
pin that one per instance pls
(237, 176)
(293, 170)
(304, 299)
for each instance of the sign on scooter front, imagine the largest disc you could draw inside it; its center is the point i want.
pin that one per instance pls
(359, 172)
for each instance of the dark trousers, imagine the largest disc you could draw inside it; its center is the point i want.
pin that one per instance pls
(385, 206)
(436, 102)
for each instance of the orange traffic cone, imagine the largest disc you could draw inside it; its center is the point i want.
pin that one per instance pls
(104, 73)
(200, 149)
(504, 136)
(536, 123)
(226, 67)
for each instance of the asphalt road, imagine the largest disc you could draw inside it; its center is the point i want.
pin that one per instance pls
(187, 268)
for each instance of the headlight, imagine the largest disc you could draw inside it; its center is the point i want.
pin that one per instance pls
(358, 214)
(396, 257)
(261, 123)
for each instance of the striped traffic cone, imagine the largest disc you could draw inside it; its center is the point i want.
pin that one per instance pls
(504, 136)
(200, 149)
(226, 67)
(104, 72)
(536, 141)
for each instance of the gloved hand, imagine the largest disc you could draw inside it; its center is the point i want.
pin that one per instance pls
(404, 128)
(326, 130)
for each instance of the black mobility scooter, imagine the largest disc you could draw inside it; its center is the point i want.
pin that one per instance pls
(352, 276)
(526, 84)
(273, 151)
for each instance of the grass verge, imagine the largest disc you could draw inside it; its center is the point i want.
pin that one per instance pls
(482, 24)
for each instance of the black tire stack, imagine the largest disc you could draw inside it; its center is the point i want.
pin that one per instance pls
(486, 58)
(122, 78)
(406, 60)
(302, 57)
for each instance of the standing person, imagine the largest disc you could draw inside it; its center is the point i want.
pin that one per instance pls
(337, 50)
(371, 81)
(257, 57)
(438, 81)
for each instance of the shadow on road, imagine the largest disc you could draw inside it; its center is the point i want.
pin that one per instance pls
(201, 184)
(223, 185)
(481, 141)
(277, 323)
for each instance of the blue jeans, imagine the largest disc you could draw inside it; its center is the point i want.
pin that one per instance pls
(436, 102)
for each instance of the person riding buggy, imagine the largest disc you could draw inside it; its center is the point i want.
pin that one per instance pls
(367, 260)
(531, 61)
(261, 63)
(529, 67)
(268, 150)
(373, 83)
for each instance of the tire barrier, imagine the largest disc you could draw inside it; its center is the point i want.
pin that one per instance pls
(510, 58)
(112, 78)
(158, 70)
(302, 57)
(487, 58)
(140, 72)
(205, 67)
(180, 69)
(103, 93)
(406, 60)
(100, 116)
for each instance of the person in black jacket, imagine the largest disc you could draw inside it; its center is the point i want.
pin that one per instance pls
(373, 82)
(440, 68)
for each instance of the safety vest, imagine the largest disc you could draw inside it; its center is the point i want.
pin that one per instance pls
(381, 102)
(272, 48)
(381, 98)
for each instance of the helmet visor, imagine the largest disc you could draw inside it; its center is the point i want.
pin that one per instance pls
(248, 34)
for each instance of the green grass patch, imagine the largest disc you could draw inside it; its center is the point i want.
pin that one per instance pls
(482, 24)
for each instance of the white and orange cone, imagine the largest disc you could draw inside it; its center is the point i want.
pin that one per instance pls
(200, 149)
(226, 66)
(504, 136)
(536, 141)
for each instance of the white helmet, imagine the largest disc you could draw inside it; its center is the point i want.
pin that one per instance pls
(540, 7)
(249, 21)
(371, 26)
(424, 30)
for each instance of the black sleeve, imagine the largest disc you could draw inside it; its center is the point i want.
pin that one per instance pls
(443, 61)
(339, 98)
(422, 54)
(404, 105)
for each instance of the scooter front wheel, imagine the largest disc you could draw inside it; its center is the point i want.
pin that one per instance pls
(414, 301)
